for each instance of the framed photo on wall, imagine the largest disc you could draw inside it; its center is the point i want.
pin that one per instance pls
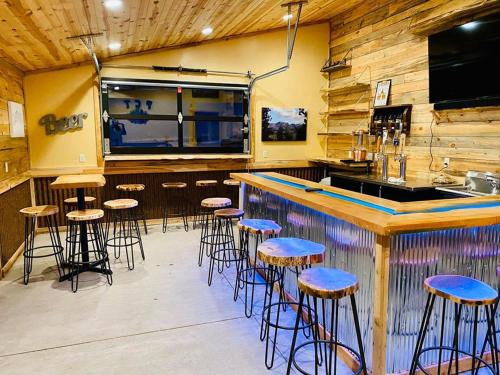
(284, 124)
(382, 93)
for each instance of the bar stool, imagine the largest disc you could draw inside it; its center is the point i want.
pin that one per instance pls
(204, 189)
(179, 203)
(224, 250)
(135, 191)
(461, 291)
(326, 284)
(71, 204)
(31, 216)
(126, 232)
(259, 229)
(280, 253)
(92, 218)
(208, 237)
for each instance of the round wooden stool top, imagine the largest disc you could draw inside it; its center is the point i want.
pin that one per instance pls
(131, 187)
(206, 183)
(85, 215)
(289, 251)
(461, 289)
(39, 211)
(259, 226)
(327, 283)
(216, 202)
(74, 200)
(174, 185)
(229, 213)
(120, 204)
(231, 182)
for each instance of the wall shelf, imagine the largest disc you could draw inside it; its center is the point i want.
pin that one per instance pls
(333, 133)
(346, 111)
(335, 67)
(346, 89)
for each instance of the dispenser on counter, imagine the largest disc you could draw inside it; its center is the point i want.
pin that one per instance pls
(359, 151)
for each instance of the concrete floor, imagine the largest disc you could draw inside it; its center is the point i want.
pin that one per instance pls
(161, 318)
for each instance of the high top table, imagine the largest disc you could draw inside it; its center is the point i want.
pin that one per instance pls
(80, 182)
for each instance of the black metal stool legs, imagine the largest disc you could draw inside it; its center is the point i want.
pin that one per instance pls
(456, 354)
(329, 345)
(29, 241)
(179, 208)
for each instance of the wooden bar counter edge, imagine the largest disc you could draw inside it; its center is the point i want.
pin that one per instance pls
(384, 225)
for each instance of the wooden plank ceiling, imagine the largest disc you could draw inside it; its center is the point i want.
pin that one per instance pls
(33, 32)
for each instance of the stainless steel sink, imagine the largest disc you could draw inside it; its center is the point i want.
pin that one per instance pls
(477, 184)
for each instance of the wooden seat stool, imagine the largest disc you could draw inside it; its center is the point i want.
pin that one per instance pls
(71, 204)
(204, 189)
(256, 230)
(464, 293)
(126, 233)
(279, 254)
(135, 191)
(32, 215)
(224, 250)
(207, 237)
(175, 192)
(328, 285)
(99, 262)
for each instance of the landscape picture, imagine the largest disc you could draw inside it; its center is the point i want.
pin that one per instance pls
(282, 124)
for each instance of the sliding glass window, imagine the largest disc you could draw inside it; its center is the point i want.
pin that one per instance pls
(174, 117)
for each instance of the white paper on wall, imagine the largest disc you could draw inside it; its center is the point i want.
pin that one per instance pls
(16, 119)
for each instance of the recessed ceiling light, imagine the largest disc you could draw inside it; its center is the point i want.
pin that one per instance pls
(114, 46)
(207, 31)
(113, 4)
(287, 17)
(470, 25)
(117, 88)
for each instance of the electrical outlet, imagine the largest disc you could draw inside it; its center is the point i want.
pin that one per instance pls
(83, 159)
(265, 154)
(6, 166)
(446, 162)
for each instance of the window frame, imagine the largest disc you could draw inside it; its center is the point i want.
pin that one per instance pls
(179, 86)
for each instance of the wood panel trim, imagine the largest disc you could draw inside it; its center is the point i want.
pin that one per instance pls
(12, 182)
(380, 304)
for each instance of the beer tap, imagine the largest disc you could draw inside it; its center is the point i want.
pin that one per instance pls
(382, 155)
(401, 158)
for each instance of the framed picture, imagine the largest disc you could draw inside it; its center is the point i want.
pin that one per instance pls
(16, 119)
(382, 93)
(282, 124)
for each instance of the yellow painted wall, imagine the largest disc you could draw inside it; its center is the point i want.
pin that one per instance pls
(69, 91)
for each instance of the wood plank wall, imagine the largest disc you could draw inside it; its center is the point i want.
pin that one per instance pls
(11, 222)
(12, 150)
(384, 45)
(154, 194)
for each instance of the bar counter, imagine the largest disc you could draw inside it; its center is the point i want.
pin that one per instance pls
(391, 247)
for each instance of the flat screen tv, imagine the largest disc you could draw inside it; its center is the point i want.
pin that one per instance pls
(464, 65)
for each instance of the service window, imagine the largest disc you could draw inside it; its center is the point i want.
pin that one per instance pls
(158, 117)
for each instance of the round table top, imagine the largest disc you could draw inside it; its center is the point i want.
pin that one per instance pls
(327, 283)
(131, 187)
(216, 202)
(74, 200)
(39, 211)
(206, 182)
(174, 185)
(259, 226)
(229, 213)
(461, 289)
(119, 204)
(85, 215)
(290, 251)
(231, 182)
